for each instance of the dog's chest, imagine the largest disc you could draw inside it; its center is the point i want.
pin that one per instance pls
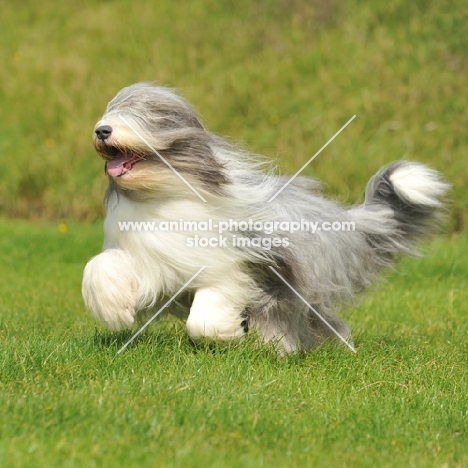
(156, 232)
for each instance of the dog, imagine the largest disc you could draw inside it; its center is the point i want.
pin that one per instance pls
(288, 285)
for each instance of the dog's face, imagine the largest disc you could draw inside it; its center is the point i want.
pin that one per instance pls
(148, 136)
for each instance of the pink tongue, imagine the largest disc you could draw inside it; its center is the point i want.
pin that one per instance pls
(117, 167)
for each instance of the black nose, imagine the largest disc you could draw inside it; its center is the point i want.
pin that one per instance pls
(103, 132)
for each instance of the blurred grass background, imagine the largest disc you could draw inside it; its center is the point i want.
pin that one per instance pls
(279, 76)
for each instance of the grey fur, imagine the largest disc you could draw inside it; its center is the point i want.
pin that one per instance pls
(327, 268)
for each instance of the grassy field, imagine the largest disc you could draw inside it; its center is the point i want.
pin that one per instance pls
(68, 399)
(281, 77)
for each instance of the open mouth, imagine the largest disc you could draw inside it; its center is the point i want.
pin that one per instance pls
(118, 162)
(121, 165)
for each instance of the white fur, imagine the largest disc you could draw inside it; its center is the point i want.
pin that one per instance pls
(117, 285)
(110, 284)
(418, 184)
(211, 316)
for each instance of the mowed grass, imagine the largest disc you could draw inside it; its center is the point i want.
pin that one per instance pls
(281, 77)
(69, 400)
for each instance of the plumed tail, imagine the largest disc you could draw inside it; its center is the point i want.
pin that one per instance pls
(403, 204)
(414, 192)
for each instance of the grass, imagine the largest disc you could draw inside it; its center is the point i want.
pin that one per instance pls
(69, 400)
(281, 77)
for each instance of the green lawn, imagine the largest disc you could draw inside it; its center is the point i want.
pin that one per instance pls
(68, 399)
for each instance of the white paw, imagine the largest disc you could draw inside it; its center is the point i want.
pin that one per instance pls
(212, 317)
(109, 289)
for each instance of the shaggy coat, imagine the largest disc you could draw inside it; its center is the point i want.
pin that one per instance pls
(163, 166)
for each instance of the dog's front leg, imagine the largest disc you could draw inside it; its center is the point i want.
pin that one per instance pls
(110, 288)
(214, 317)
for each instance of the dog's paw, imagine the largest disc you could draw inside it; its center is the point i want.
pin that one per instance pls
(109, 289)
(213, 318)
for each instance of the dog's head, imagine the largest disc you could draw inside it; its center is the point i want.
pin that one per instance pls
(149, 137)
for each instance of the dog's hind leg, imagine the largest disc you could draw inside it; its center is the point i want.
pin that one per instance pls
(110, 289)
(214, 317)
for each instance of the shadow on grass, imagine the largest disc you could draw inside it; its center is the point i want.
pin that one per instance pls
(162, 335)
(171, 337)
